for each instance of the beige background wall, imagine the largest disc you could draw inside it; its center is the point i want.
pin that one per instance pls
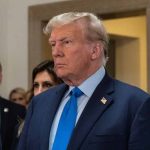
(131, 49)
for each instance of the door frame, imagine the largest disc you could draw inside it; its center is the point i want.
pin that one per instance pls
(38, 14)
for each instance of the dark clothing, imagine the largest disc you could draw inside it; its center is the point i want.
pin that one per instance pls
(117, 117)
(10, 113)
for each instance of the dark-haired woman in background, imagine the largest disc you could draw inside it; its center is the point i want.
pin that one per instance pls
(43, 77)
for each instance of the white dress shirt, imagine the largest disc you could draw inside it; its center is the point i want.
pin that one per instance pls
(87, 87)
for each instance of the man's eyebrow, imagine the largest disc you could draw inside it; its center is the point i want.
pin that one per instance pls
(61, 39)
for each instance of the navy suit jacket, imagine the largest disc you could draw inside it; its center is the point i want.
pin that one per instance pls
(122, 123)
(9, 116)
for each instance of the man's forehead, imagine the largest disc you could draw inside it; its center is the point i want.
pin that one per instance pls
(66, 28)
(60, 38)
(62, 35)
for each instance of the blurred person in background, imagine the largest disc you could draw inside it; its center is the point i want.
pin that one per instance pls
(9, 118)
(18, 96)
(44, 77)
(29, 95)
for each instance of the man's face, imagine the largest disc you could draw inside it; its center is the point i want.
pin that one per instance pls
(71, 51)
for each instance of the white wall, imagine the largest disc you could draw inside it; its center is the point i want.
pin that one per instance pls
(13, 42)
(3, 42)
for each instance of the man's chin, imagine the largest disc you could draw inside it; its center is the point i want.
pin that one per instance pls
(60, 74)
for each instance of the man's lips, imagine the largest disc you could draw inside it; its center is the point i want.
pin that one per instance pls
(59, 65)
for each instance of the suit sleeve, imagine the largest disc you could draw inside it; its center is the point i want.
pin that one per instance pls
(140, 130)
(22, 145)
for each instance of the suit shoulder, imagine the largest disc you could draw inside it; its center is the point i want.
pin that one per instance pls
(6, 103)
(129, 89)
(9, 103)
(15, 108)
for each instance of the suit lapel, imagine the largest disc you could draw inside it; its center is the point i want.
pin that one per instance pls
(52, 101)
(98, 103)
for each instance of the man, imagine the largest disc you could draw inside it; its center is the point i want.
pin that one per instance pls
(10, 114)
(110, 115)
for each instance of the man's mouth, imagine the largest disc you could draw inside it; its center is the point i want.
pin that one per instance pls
(59, 65)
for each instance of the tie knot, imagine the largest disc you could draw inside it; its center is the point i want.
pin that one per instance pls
(76, 92)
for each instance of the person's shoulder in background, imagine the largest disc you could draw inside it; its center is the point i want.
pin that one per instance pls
(11, 114)
(7, 106)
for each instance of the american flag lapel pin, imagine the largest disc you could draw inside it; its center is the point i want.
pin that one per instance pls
(104, 100)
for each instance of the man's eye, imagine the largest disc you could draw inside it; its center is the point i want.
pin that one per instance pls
(52, 44)
(67, 41)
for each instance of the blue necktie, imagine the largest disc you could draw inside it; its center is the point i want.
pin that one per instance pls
(67, 121)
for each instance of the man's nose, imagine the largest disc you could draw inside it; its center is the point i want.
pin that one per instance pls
(57, 50)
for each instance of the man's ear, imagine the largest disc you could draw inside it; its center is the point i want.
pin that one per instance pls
(96, 50)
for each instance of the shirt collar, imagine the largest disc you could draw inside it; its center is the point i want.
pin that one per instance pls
(90, 82)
